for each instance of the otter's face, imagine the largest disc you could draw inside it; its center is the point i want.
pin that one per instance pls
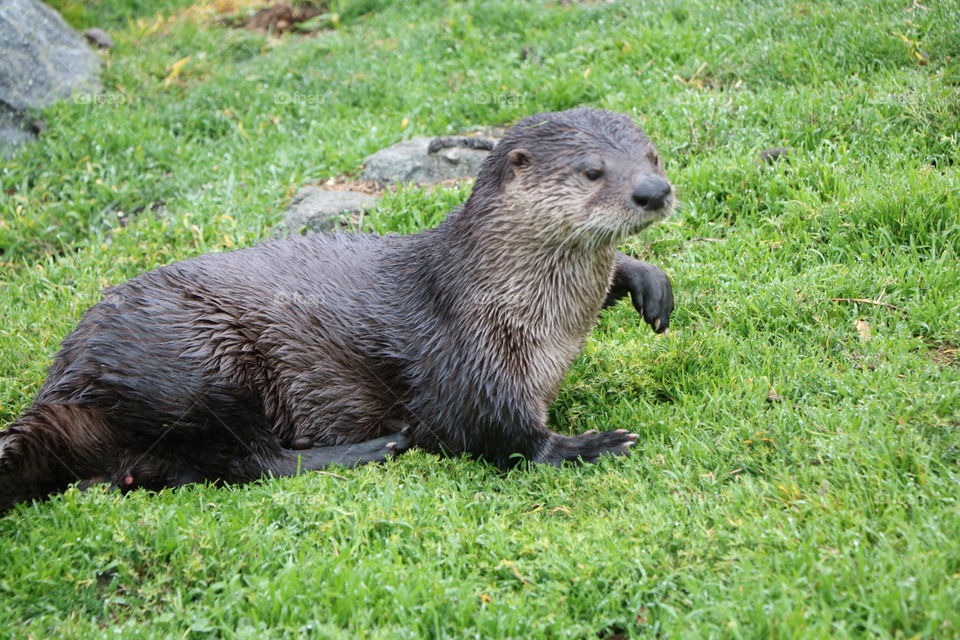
(624, 192)
(592, 184)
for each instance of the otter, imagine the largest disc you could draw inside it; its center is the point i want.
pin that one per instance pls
(305, 352)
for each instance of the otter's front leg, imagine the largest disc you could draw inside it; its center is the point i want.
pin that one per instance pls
(648, 286)
(503, 435)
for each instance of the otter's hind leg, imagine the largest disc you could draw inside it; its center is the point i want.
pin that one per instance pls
(154, 472)
(288, 462)
(49, 447)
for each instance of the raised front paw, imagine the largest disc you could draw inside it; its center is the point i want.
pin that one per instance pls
(649, 288)
(588, 447)
(652, 294)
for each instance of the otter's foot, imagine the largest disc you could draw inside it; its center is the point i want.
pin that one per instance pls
(587, 447)
(347, 455)
(648, 286)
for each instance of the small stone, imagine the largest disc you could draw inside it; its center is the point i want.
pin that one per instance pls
(42, 60)
(772, 155)
(316, 209)
(99, 37)
(14, 133)
(467, 142)
(426, 161)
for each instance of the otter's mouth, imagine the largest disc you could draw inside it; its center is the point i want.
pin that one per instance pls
(643, 218)
(664, 211)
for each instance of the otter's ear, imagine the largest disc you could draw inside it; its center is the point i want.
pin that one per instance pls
(518, 158)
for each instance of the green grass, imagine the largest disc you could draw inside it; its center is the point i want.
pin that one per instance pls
(834, 513)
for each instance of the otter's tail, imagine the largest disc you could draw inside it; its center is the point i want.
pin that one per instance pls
(45, 450)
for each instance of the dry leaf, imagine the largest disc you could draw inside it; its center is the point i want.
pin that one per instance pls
(643, 616)
(863, 329)
(175, 70)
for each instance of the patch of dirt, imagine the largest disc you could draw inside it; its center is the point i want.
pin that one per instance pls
(276, 19)
(346, 183)
(946, 355)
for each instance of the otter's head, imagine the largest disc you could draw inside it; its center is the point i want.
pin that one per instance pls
(583, 175)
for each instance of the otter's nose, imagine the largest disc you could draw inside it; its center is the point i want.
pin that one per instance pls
(651, 193)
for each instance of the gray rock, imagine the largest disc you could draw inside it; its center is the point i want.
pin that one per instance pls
(13, 132)
(99, 37)
(772, 155)
(321, 209)
(427, 160)
(42, 60)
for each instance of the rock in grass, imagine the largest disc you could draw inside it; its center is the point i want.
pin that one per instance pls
(427, 161)
(13, 131)
(42, 60)
(99, 38)
(317, 209)
(772, 155)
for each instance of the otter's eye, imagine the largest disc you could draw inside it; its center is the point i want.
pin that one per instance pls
(593, 174)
